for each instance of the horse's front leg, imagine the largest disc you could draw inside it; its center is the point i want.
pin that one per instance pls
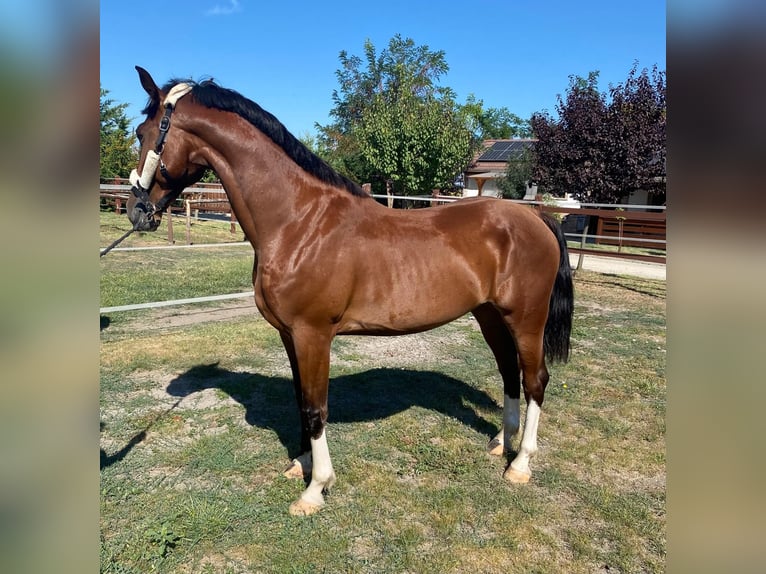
(312, 356)
(301, 465)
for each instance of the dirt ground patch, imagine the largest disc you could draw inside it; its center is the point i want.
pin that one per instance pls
(170, 317)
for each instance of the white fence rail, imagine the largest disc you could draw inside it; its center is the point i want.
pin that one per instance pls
(581, 237)
(156, 304)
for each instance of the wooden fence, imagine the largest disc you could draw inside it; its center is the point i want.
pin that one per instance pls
(196, 202)
(620, 226)
(628, 228)
(642, 226)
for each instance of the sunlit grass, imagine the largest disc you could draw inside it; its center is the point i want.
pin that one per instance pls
(199, 420)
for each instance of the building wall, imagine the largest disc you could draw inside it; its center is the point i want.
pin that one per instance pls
(490, 188)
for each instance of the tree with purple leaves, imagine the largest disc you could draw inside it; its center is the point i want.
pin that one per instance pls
(604, 146)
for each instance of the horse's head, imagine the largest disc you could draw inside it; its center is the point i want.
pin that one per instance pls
(165, 162)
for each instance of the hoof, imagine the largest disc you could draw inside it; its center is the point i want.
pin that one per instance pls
(517, 476)
(295, 470)
(303, 508)
(495, 447)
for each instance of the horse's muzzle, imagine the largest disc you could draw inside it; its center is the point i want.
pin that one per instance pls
(141, 216)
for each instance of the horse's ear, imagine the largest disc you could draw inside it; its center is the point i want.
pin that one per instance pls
(148, 84)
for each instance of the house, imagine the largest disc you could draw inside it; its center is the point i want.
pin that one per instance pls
(490, 164)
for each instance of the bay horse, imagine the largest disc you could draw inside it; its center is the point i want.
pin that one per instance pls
(330, 260)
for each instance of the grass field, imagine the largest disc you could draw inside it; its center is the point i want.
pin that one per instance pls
(198, 420)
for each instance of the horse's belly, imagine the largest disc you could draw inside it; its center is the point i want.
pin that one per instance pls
(354, 327)
(413, 314)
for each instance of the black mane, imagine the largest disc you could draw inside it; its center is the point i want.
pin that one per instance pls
(211, 95)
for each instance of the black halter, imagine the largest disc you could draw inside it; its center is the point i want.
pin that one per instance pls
(142, 213)
(143, 194)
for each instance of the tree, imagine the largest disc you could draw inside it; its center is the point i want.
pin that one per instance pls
(637, 131)
(419, 144)
(493, 123)
(602, 147)
(118, 154)
(393, 122)
(402, 62)
(518, 175)
(569, 151)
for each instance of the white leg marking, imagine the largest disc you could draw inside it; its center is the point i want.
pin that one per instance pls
(322, 474)
(528, 447)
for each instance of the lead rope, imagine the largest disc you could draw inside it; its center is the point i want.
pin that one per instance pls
(117, 242)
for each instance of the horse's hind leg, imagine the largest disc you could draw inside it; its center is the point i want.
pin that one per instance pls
(535, 379)
(501, 342)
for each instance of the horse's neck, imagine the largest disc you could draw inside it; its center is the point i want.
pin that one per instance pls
(266, 188)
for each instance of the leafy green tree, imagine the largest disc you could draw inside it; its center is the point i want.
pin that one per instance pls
(418, 143)
(493, 123)
(390, 103)
(210, 177)
(517, 176)
(117, 153)
(401, 62)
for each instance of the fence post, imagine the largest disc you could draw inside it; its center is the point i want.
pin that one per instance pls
(169, 215)
(188, 222)
(599, 229)
(233, 217)
(620, 228)
(582, 246)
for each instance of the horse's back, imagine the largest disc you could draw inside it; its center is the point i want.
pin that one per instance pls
(416, 269)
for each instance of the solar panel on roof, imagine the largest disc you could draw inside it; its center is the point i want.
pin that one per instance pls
(491, 155)
(503, 151)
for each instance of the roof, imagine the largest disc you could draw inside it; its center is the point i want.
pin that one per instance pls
(486, 175)
(505, 150)
(494, 155)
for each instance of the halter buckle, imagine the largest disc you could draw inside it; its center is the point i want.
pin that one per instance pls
(165, 123)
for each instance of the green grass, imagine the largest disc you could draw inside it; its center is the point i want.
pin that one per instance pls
(140, 276)
(131, 277)
(113, 225)
(199, 420)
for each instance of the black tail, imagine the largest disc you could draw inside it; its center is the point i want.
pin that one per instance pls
(559, 324)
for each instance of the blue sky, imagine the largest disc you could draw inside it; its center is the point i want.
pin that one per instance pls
(517, 54)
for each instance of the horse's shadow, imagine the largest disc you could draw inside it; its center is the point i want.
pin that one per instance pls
(361, 397)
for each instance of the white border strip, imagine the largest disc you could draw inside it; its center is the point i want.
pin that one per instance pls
(137, 306)
(192, 246)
